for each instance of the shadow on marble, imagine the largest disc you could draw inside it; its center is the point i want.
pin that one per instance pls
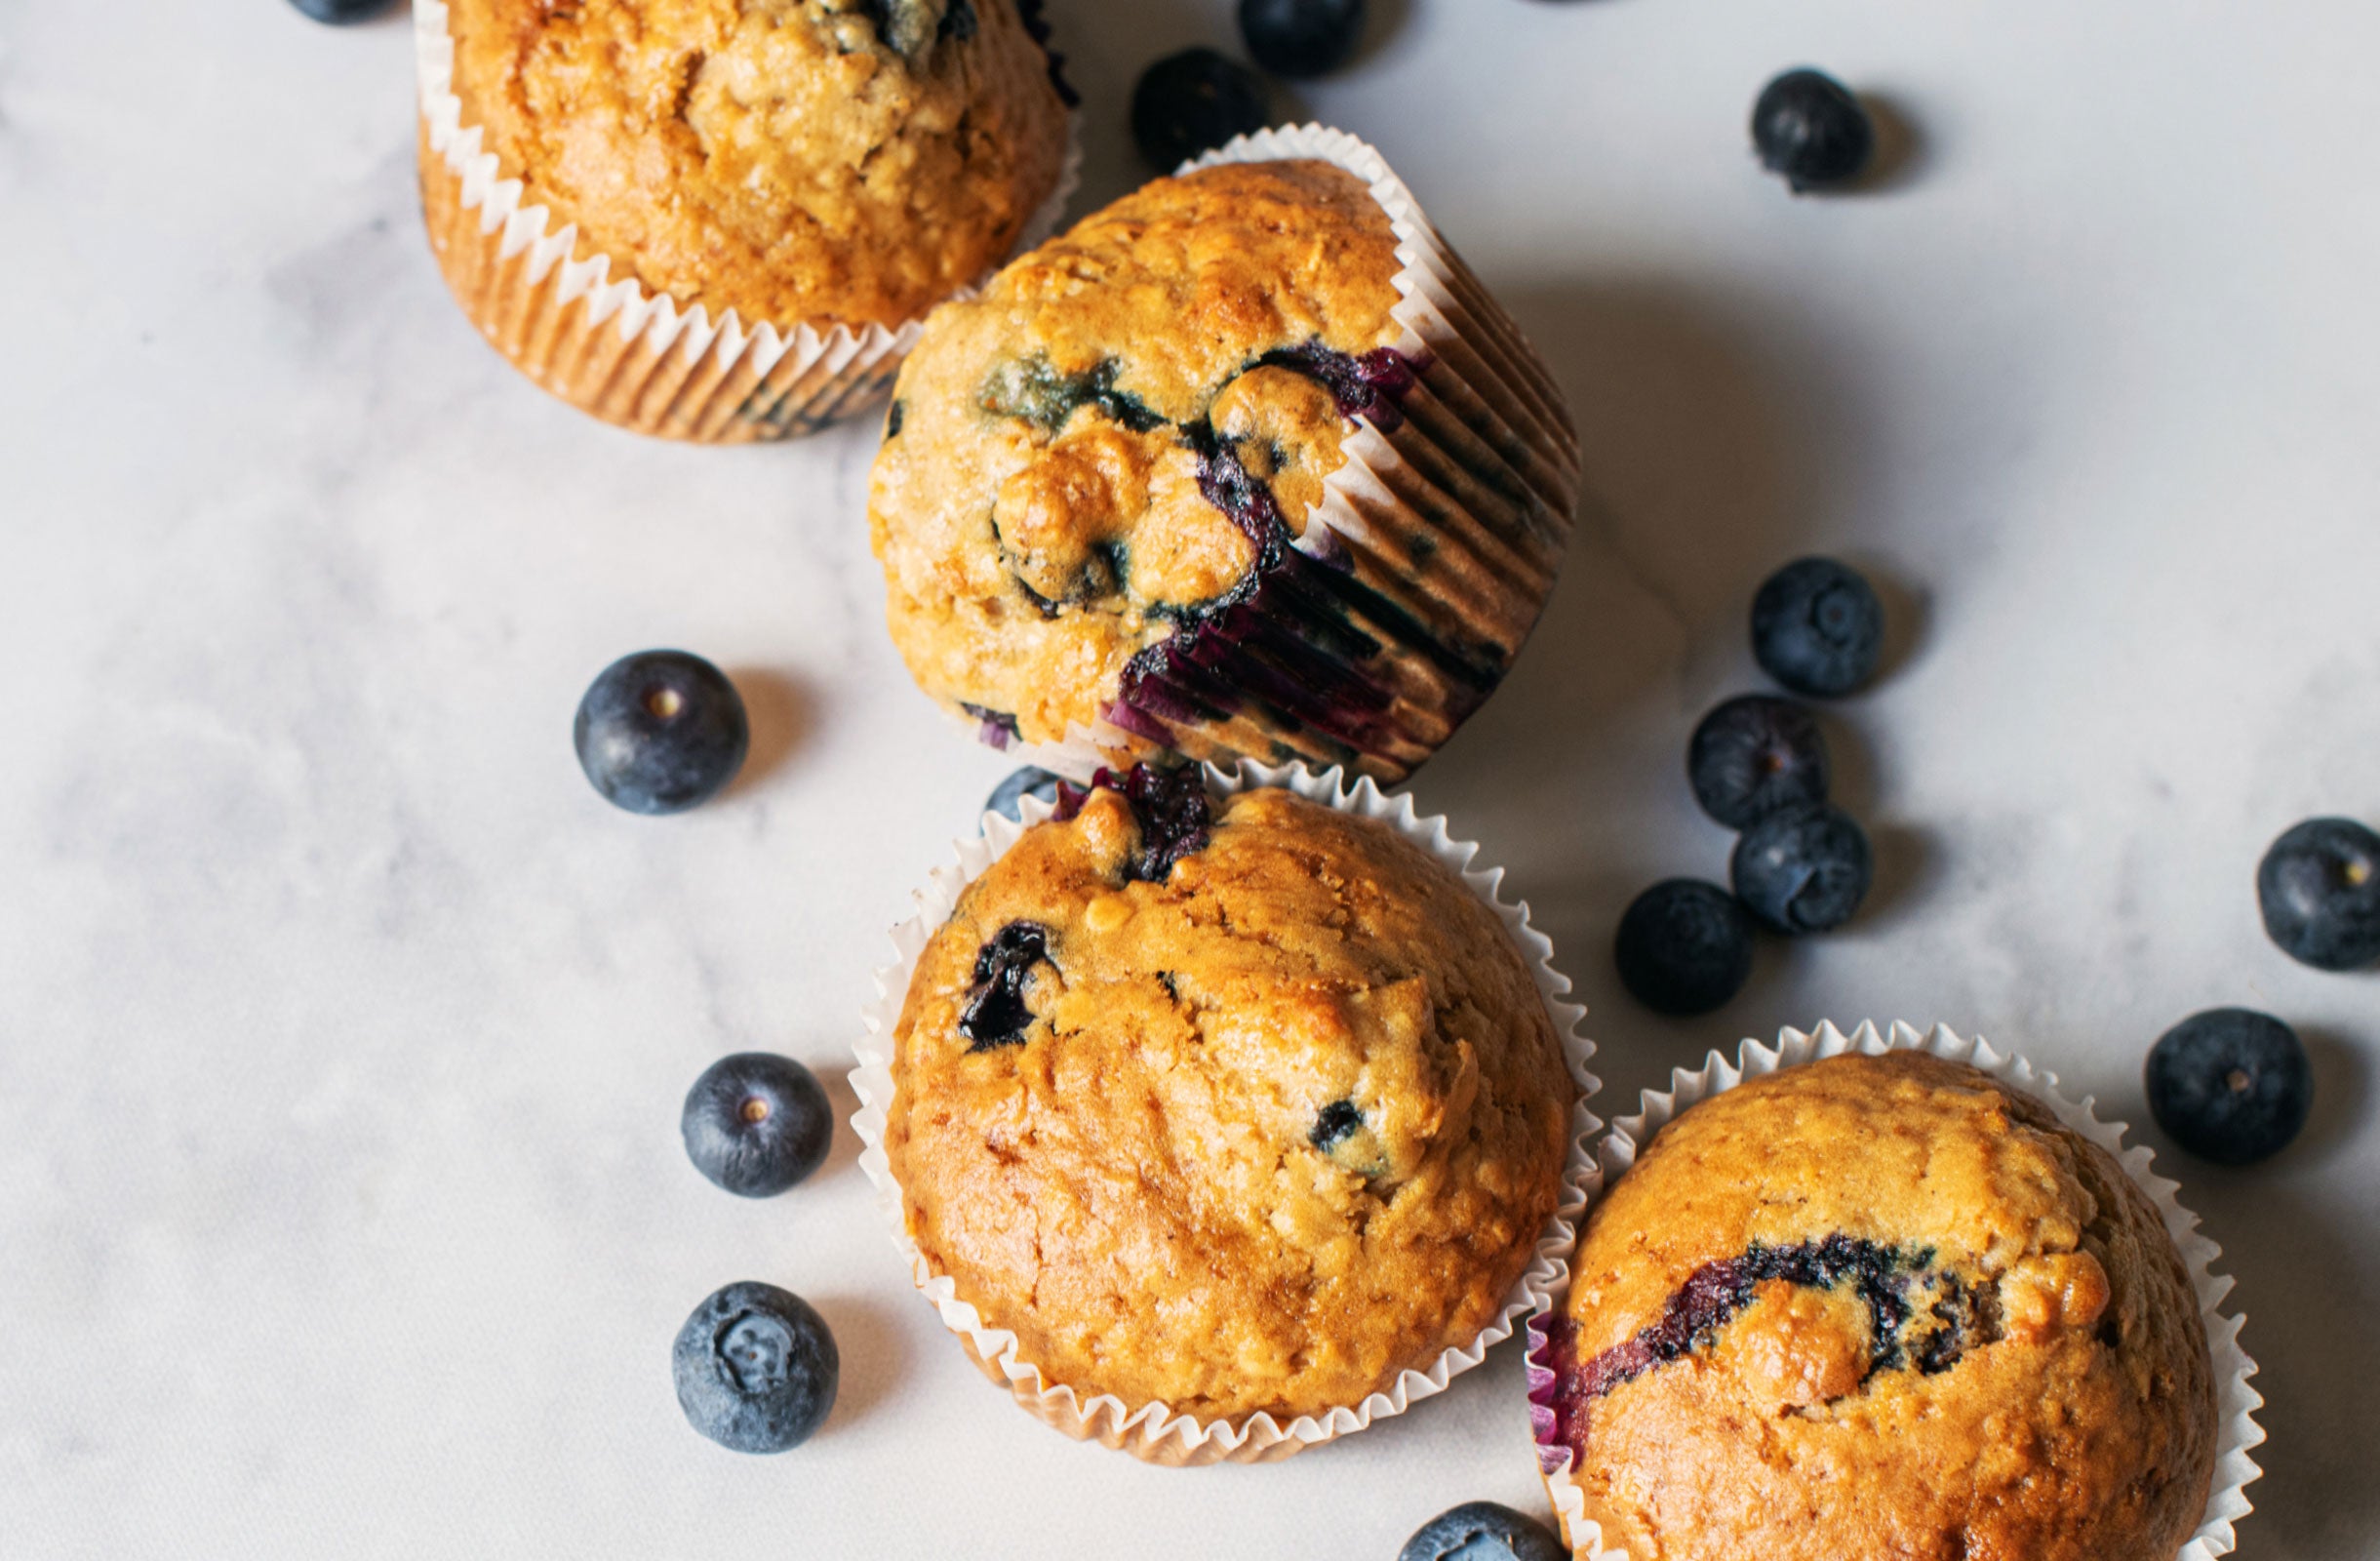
(873, 1350)
(1903, 152)
(2342, 1093)
(844, 1153)
(783, 711)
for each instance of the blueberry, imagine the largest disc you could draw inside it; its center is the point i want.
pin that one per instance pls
(996, 1014)
(1482, 1531)
(1192, 102)
(1684, 946)
(1008, 798)
(1333, 1124)
(1754, 756)
(1817, 627)
(1802, 869)
(1809, 128)
(660, 732)
(2320, 891)
(756, 1369)
(340, 12)
(2230, 1085)
(1298, 38)
(756, 1124)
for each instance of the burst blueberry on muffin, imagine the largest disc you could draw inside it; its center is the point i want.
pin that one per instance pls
(1230, 1104)
(828, 163)
(1880, 1306)
(1102, 503)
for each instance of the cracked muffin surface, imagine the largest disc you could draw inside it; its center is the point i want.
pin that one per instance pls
(1097, 450)
(850, 161)
(1237, 1106)
(1882, 1306)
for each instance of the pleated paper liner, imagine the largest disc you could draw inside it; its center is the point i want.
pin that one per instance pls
(1153, 1432)
(1416, 577)
(2235, 1402)
(633, 357)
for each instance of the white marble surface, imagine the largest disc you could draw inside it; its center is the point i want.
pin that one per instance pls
(342, 1029)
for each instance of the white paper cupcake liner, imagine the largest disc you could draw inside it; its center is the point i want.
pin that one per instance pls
(1482, 467)
(659, 368)
(1152, 1432)
(2235, 1402)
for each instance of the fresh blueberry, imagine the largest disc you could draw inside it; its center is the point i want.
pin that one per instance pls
(1809, 128)
(1482, 1531)
(1754, 756)
(1298, 38)
(340, 12)
(756, 1124)
(1192, 102)
(756, 1369)
(1802, 869)
(1008, 798)
(2230, 1085)
(1684, 946)
(661, 731)
(1817, 627)
(2320, 890)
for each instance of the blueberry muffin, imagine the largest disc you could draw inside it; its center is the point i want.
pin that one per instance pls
(835, 164)
(1101, 504)
(1880, 1306)
(1233, 1105)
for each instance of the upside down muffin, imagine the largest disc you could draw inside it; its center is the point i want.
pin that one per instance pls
(1234, 1106)
(841, 162)
(1097, 504)
(1881, 1306)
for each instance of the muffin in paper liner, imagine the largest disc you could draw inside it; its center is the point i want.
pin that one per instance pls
(1418, 574)
(631, 356)
(2235, 1402)
(1152, 1433)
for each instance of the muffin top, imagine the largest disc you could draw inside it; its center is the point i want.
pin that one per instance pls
(851, 161)
(1882, 1306)
(1236, 1105)
(1094, 452)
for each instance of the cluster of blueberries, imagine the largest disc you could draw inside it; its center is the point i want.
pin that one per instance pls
(1758, 764)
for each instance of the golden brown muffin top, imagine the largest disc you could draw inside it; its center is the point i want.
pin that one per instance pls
(1037, 504)
(851, 161)
(1255, 1131)
(1884, 1307)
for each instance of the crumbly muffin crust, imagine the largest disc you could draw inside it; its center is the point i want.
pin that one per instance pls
(1038, 504)
(851, 161)
(1253, 1125)
(1884, 1307)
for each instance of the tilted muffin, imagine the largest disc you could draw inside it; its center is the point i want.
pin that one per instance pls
(820, 163)
(1183, 480)
(1881, 1306)
(1231, 1106)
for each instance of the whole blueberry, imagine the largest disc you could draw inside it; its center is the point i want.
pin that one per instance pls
(1802, 869)
(340, 12)
(2230, 1085)
(1192, 102)
(1753, 755)
(756, 1369)
(1008, 798)
(1808, 126)
(660, 732)
(756, 1124)
(2318, 888)
(1683, 947)
(1298, 38)
(1817, 627)
(1482, 1531)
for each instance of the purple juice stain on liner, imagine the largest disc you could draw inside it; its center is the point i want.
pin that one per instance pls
(1563, 1388)
(993, 728)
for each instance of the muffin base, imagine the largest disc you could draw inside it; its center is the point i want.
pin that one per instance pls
(2235, 1402)
(635, 358)
(1152, 1433)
